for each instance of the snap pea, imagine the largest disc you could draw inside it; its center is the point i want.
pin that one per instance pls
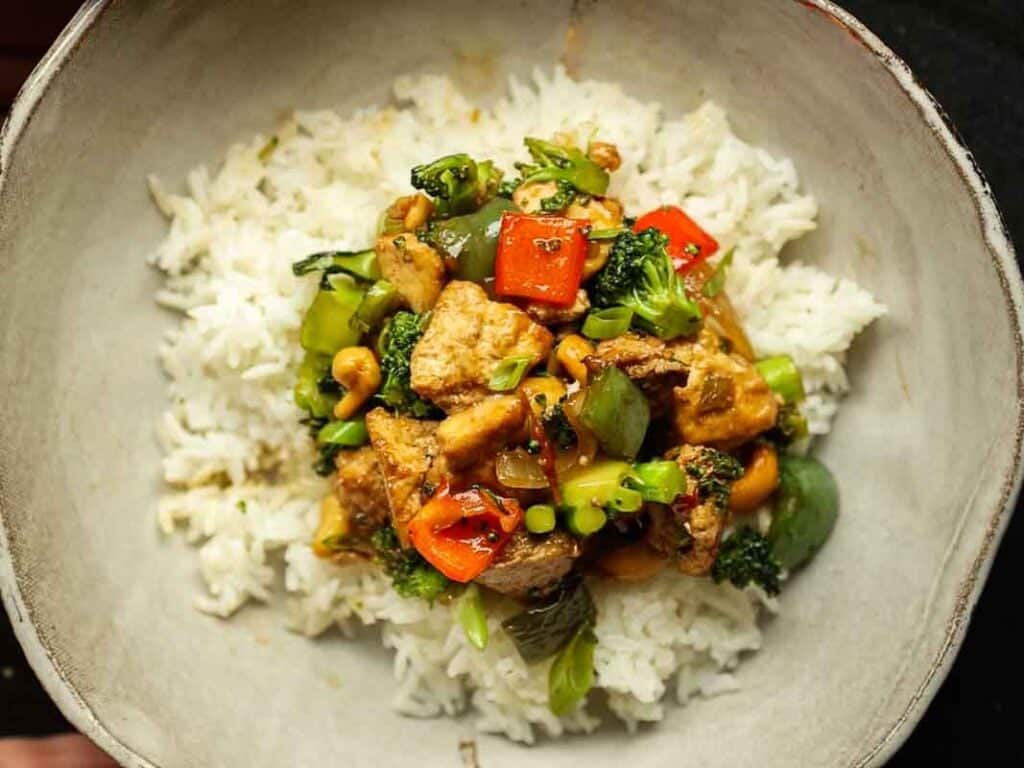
(471, 240)
(805, 511)
(540, 518)
(572, 673)
(347, 434)
(473, 617)
(660, 481)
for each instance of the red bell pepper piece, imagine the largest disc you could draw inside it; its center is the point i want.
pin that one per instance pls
(461, 533)
(688, 244)
(540, 257)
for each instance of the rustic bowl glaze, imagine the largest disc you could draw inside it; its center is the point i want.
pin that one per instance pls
(926, 450)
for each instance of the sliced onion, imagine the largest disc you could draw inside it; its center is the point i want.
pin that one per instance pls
(518, 469)
(587, 446)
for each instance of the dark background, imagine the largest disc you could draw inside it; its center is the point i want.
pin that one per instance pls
(971, 56)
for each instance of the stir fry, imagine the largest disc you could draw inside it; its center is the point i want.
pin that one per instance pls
(521, 387)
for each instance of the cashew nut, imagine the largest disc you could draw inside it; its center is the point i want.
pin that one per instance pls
(420, 209)
(571, 352)
(334, 526)
(356, 369)
(759, 481)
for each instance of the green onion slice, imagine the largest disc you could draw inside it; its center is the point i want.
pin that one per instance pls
(509, 373)
(607, 323)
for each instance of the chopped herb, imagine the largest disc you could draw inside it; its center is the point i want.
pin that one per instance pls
(509, 373)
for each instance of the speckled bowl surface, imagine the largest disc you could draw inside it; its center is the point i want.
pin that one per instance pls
(926, 450)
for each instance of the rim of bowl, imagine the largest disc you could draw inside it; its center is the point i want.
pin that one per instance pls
(1000, 250)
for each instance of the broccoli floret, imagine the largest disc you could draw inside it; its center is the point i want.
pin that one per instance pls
(562, 199)
(457, 183)
(558, 428)
(552, 162)
(746, 557)
(715, 472)
(790, 426)
(410, 574)
(395, 346)
(640, 275)
(507, 188)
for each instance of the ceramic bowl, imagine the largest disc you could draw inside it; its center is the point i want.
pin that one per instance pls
(926, 450)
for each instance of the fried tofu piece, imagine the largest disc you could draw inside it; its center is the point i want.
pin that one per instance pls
(405, 449)
(467, 435)
(468, 336)
(414, 268)
(530, 562)
(359, 486)
(725, 401)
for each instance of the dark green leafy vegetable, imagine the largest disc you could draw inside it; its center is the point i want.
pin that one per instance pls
(325, 455)
(715, 472)
(545, 627)
(572, 673)
(346, 434)
(617, 412)
(640, 275)
(410, 574)
(607, 323)
(805, 511)
(716, 283)
(361, 264)
(470, 241)
(326, 326)
(309, 393)
(552, 162)
(508, 373)
(473, 617)
(380, 300)
(395, 346)
(457, 183)
(746, 557)
(782, 375)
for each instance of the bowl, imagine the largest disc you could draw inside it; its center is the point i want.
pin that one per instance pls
(927, 448)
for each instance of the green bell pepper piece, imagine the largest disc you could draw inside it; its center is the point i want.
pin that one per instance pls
(805, 511)
(471, 240)
(617, 412)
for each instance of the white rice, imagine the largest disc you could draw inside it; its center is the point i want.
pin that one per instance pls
(237, 462)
